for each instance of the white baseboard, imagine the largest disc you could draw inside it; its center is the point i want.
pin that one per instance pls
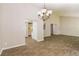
(1, 51)
(39, 40)
(69, 35)
(14, 46)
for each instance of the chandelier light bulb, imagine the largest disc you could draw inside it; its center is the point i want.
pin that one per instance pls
(41, 15)
(50, 11)
(47, 14)
(44, 10)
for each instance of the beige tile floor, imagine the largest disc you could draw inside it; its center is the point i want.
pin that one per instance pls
(56, 45)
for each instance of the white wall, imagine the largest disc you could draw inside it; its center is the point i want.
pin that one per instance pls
(69, 25)
(34, 32)
(37, 33)
(40, 32)
(56, 24)
(47, 29)
(54, 19)
(0, 28)
(13, 26)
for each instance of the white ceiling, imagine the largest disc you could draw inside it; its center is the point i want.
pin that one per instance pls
(61, 7)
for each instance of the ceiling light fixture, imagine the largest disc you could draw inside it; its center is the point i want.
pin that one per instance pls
(44, 13)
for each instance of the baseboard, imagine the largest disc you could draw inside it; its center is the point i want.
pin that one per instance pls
(47, 36)
(14, 46)
(38, 40)
(1, 51)
(70, 35)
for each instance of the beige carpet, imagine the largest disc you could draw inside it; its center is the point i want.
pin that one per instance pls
(56, 45)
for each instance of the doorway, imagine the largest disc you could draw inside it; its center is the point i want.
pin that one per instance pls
(51, 27)
(30, 29)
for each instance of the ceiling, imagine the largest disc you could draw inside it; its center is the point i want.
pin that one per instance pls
(61, 7)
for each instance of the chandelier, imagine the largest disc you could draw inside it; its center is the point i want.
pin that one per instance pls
(44, 14)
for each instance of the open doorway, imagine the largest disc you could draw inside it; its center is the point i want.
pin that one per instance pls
(51, 27)
(30, 29)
